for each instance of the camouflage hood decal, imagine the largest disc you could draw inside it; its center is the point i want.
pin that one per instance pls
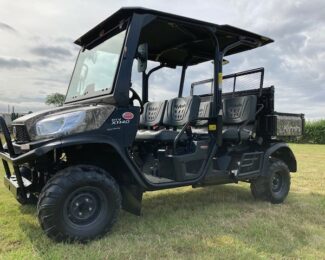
(95, 116)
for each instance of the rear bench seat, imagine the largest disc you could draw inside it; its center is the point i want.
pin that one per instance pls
(177, 113)
(239, 114)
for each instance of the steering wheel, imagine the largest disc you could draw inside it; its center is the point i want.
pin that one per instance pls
(134, 97)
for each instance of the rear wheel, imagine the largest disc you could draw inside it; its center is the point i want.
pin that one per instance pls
(79, 203)
(275, 186)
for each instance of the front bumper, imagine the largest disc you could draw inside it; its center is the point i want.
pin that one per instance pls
(13, 186)
(14, 181)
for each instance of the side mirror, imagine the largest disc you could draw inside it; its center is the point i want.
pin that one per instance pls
(142, 57)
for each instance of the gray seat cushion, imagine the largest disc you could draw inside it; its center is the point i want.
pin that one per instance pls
(205, 112)
(231, 134)
(178, 112)
(153, 113)
(237, 112)
(160, 135)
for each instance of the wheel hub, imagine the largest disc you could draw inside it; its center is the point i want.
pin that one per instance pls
(276, 182)
(83, 208)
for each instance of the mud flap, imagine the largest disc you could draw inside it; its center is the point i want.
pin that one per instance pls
(131, 199)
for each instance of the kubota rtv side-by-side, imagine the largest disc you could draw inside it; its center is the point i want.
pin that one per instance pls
(101, 151)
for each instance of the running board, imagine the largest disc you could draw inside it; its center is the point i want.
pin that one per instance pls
(215, 178)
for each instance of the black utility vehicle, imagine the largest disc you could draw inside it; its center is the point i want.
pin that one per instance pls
(99, 152)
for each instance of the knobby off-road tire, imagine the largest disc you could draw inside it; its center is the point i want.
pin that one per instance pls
(275, 186)
(79, 203)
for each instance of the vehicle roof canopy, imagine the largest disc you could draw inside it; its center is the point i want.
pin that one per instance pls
(177, 40)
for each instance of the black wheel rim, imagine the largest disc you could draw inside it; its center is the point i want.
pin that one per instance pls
(277, 182)
(84, 206)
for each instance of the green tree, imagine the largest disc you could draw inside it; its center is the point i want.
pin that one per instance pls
(56, 99)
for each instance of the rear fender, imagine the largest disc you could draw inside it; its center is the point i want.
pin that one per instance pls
(282, 152)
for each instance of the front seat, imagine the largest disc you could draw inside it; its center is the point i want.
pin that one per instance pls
(178, 112)
(239, 115)
(153, 114)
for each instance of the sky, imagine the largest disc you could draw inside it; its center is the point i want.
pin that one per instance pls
(37, 53)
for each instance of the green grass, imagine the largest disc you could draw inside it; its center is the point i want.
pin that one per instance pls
(185, 223)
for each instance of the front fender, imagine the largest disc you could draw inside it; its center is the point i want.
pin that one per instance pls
(81, 140)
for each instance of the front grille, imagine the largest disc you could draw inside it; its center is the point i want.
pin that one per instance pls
(21, 134)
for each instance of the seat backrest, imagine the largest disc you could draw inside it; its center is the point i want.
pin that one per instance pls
(179, 111)
(153, 113)
(237, 110)
(204, 111)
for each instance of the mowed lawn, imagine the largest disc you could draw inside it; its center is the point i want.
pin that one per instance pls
(185, 223)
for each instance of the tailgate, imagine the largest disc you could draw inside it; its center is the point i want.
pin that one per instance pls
(286, 124)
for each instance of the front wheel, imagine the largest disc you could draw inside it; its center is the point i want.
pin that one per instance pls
(275, 186)
(78, 204)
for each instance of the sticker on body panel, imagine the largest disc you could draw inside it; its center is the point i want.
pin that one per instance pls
(128, 115)
(126, 118)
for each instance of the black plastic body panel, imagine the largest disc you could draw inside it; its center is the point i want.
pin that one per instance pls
(250, 165)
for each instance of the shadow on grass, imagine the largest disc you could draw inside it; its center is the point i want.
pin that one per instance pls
(28, 209)
(177, 198)
(260, 225)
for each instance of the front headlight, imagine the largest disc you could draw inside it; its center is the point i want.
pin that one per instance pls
(61, 124)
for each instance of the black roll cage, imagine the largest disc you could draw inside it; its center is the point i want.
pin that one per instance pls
(135, 24)
(234, 76)
(216, 117)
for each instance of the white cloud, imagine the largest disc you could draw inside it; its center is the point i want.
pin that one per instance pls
(295, 63)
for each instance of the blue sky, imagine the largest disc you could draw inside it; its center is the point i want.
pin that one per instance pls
(37, 52)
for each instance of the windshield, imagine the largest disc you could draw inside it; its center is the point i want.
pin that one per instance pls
(95, 69)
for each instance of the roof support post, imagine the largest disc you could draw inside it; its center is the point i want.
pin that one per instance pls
(181, 84)
(217, 84)
(217, 94)
(145, 82)
(145, 79)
